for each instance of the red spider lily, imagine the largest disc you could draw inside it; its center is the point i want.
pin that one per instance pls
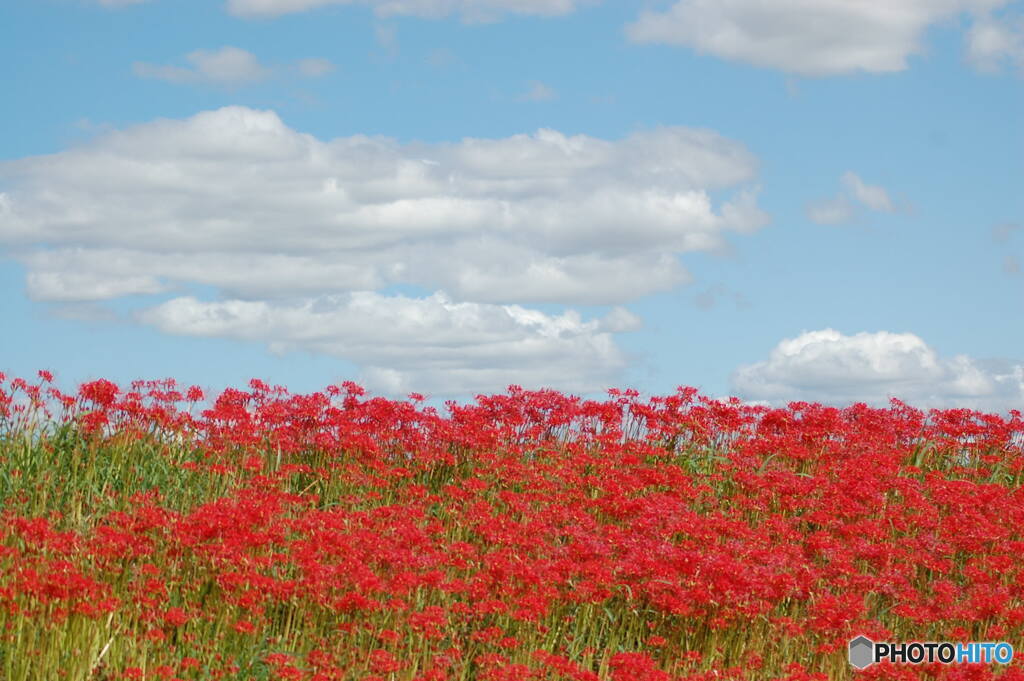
(530, 535)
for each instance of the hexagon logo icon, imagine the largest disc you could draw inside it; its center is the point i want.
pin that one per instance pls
(862, 652)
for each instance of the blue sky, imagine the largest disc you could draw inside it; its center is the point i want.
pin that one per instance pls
(451, 196)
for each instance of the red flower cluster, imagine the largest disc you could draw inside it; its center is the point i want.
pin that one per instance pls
(531, 535)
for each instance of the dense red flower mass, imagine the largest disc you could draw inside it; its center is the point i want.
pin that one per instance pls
(530, 535)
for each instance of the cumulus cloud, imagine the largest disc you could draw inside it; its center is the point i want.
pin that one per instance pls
(82, 285)
(406, 343)
(469, 10)
(827, 366)
(842, 209)
(235, 199)
(228, 66)
(273, 220)
(993, 41)
(807, 37)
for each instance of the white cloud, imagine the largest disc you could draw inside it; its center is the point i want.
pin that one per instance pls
(284, 225)
(491, 271)
(874, 197)
(808, 37)
(488, 270)
(228, 66)
(841, 209)
(993, 41)
(235, 199)
(470, 10)
(828, 366)
(405, 344)
(57, 285)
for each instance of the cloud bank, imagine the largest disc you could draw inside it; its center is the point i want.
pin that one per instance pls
(405, 343)
(469, 10)
(285, 226)
(806, 37)
(827, 366)
(235, 199)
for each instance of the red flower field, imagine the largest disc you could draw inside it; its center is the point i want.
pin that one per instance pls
(530, 535)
